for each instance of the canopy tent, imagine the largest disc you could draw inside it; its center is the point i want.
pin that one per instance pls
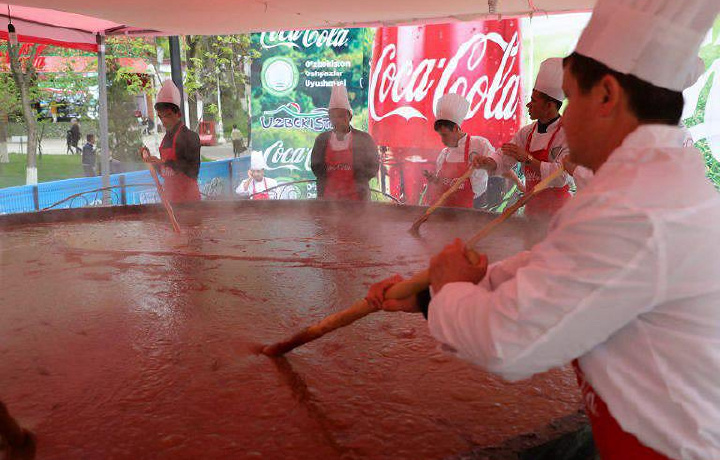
(53, 27)
(77, 17)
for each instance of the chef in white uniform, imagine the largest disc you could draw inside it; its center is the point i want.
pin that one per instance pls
(257, 186)
(625, 285)
(540, 146)
(461, 151)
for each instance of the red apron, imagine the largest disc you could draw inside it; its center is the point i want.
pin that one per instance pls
(547, 202)
(340, 182)
(611, 441)
(463, 196)
(177, 186)
(262, 195)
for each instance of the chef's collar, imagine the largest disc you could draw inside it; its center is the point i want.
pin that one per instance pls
(646, 138)
(542, 127)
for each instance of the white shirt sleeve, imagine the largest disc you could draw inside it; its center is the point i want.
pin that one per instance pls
(440, 160)
(240, 190)
(507, 162)
(548, 168)
(479, 177)
(586, 281)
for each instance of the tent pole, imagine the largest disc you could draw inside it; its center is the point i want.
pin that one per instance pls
(103, 115)
(176, 72)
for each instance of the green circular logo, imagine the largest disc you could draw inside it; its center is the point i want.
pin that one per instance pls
(279, 76)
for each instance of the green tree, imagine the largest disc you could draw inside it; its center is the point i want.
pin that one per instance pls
(9, 104)
(218, 63)
(123, 85)
(25, 78)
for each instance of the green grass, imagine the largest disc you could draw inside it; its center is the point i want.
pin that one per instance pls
(50, 167)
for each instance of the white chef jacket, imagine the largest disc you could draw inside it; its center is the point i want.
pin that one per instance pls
(258, 187)
(478, 146)
(540, 141)
(627, 280)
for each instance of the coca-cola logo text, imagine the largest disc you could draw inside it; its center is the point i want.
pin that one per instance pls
(279, 157)
(408, 84)
(327, 38)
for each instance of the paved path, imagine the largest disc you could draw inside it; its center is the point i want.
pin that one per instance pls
(58, 147)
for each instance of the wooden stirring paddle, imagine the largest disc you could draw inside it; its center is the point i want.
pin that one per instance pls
(415, 229)
(411, 286)
(168, 208)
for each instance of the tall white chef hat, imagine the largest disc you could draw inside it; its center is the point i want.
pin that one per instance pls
(654, 40)
(257, 161)
(549, 79)
(452, 107)
(169, 93)
(339, 98)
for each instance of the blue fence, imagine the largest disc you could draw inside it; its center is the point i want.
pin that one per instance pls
(216, 179)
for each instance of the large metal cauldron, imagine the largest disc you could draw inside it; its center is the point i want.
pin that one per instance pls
(120, 340)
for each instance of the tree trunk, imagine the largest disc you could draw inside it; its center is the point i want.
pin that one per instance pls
(4, 157)
(21, 80)
(192, 45)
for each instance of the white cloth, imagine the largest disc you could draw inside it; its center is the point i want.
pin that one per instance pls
(478, 146)
(655, 40)
(581, 176)
(169, 93)
(339, 98)
(337, 144)
(540, 141)
(549, 79)
(627, 281)
(452, 107)
(258, 187)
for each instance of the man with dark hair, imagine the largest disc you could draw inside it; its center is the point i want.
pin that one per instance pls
(344, 159)
(89, 156)
(179, 160)
(625, 285)
(461, 152)
(541, 146)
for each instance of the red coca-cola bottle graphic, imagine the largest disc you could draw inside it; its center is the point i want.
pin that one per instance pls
(414, 66)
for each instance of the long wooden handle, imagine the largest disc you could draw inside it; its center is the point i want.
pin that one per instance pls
(440, 201)
(406, 288)
(163, 199)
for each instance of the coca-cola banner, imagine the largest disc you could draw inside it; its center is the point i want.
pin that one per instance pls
(414, 66)
(291, 84)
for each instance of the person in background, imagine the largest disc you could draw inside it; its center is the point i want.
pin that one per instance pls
(89, 156)
(73, 137)
(344, 159)
(179, 160)
(625, 284)
(460, 153)
(540, 146)
(237, 141)
(257, 186)
(54, 110)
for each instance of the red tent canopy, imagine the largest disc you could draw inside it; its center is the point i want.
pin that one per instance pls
(241, 16)
(69, 30)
